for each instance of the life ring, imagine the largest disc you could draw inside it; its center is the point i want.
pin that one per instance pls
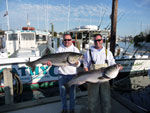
(28, 28)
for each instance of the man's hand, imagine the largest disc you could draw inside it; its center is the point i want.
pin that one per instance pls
(86, 69)
(49, 63)
(76, 63)
(121, 67)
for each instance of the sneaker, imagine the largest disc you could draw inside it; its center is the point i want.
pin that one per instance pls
(64, 111)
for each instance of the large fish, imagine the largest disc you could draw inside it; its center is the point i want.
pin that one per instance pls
(95, 76)
(57, 59)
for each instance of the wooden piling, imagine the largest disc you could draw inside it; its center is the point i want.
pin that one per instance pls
(113, 26)
(8, 86)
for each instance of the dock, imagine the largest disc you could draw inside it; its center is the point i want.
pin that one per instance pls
(53, 105)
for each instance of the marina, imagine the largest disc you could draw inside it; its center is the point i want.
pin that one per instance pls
(27, 89)
(45, 78)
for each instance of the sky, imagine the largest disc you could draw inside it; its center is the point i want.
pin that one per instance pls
(133, 15)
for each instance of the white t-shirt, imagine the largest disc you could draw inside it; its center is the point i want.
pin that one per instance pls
(68, 70)
(99, 57)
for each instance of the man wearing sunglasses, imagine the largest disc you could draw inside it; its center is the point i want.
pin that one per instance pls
(66, 73)
(98, 95)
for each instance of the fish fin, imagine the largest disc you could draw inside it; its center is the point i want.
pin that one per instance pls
(88, 82)
(68, 60)
(31, 65)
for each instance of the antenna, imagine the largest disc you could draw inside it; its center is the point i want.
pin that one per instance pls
(37, 18)
(68, 15)
(8, 27)
(28, 22)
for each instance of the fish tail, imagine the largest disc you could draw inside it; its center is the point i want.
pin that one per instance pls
(31, 65)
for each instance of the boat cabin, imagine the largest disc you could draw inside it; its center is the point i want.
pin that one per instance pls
(25, 39)
(83, 35)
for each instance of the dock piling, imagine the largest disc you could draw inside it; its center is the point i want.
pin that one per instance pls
(8, 86)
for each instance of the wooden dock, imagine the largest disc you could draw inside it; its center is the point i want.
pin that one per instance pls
(53, 105)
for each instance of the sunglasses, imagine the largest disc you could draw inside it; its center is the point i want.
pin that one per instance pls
(97, 40)
(67, 39)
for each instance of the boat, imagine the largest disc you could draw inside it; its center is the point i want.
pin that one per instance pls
(22, 46)
(26, 42)
(83, 37)
(134, 65)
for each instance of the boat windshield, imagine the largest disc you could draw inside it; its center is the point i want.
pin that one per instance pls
(26, 36)
(12, 37)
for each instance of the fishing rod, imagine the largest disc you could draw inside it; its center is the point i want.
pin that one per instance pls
(101, 20)
(145, 52)
(137, 50)
(127, 49)
(109, 25)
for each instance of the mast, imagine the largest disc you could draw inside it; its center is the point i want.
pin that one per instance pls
(28, 22)
(68, 16)
(8, 27)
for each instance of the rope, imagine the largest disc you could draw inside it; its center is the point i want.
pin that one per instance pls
(19, 86)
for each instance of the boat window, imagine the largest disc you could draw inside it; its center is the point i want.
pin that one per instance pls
(72, 35)
(12, 37)
(40, 37)
(26, 36)
(79, 35)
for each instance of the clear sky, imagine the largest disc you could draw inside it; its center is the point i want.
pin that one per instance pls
(133, 15)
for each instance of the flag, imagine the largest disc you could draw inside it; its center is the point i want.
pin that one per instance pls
(6, 13)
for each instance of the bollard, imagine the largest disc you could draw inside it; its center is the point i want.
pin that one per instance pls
(8, 86)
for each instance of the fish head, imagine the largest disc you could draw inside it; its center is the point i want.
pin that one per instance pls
(112, 71)
(74, 57)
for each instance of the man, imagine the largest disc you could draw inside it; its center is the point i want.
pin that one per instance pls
(66, 74)
(98, 95)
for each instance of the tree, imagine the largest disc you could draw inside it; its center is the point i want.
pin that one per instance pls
(2, 32)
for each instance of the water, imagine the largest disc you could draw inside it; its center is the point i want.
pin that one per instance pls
(131, 49)
(127, 46)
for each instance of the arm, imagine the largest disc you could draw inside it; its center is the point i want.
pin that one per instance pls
(86, 61)
(111, 60)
